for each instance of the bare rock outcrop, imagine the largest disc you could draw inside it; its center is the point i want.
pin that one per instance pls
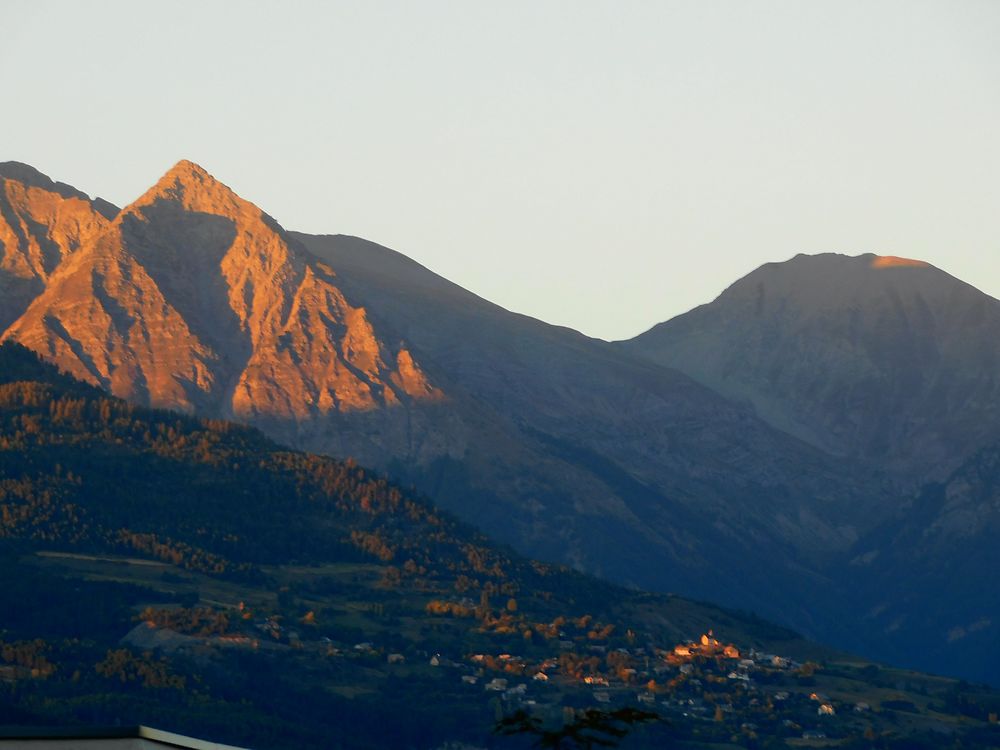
(41, 223)
(194, 299)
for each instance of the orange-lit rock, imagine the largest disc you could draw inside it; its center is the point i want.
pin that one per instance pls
(194, 299)
(893, 261)
(411, 379)
(41, 223)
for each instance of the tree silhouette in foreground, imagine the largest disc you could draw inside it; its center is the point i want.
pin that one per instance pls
(591, 728)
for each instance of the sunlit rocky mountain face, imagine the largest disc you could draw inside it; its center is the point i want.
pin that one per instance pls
(41, 223)
(776, 450)
(193, 299)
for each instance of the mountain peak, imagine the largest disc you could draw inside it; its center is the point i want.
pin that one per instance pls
(187, 170)
(834, 281)
(235, 315)
(42, 222)
(195, 189)
(29, 177)
(187, 175)
(843, 260)
(835, 348)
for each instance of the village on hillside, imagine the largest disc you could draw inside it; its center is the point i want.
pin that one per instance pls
(718, 688)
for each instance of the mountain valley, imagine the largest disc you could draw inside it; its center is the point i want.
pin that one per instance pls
(813, 446)
(193, 574)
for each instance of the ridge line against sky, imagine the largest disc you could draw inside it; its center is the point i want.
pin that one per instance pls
(600, 165)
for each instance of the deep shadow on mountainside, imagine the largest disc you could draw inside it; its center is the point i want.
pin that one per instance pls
(191, 574)
(688, 485)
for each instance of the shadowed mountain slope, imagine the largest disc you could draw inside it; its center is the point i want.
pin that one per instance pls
(886, 360)
(692, 485)
(927, 576)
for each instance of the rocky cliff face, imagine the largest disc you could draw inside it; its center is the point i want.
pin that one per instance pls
(41, 223)
(885, 360)
(194, 299)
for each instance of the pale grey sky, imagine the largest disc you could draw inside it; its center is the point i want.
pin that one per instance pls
(602, 165)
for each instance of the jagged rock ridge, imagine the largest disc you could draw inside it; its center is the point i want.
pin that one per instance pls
(41, 223)
(194, 299)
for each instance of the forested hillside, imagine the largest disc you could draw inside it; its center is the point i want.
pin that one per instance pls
(190, 574)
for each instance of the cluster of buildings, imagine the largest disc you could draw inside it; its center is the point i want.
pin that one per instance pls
(702, 679)
(675, 681)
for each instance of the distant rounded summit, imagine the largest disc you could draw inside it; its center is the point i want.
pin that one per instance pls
(884, 358)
